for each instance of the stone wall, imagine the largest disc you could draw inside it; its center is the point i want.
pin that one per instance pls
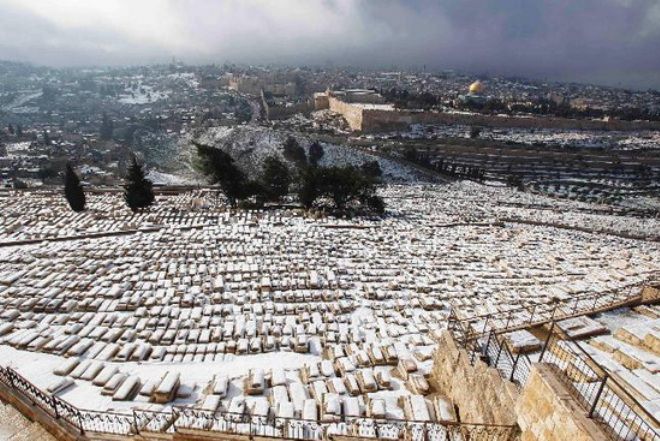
(479, 392)
(547, 412)
(58, 429)
(376, 120)
(351, 113)
(651, 294)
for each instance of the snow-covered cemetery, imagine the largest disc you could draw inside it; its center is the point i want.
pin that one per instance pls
(277, 313)
(244, 252)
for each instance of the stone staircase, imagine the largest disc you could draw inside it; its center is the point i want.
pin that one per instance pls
(15, 427)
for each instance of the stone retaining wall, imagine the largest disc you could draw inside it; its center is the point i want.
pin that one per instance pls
(547, 412)
(481, 394)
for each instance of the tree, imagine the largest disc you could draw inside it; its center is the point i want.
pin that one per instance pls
(410, 154)
(107, 127)
(19, 131)
(73, 190)
(310, 186)
(344, 185)
(19, 185)
(372, 169)
(276, 178)
(138, 190)
(256, 190)
(316, 152)
(516, 182)
(47, 172)
(475, 132)
(219, 167)
(46, 138)
(375, 203)
(293, 151)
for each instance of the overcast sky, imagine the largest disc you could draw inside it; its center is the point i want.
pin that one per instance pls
(606, 41)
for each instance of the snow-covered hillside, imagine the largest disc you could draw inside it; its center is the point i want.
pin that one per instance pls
(250, 145)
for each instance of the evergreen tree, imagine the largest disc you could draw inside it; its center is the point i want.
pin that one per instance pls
(138, 191)
(220, 168)
(475, 132)
(276, 178)
(343, 185)
(46, 138)
(315, 153)
(372, 169)
(73, 191)
(293, 151)
(310, 186)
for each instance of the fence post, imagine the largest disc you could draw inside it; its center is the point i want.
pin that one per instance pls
(531, 316)
(135, 423)
(10, 376)
(54, 404)
(508, 319)
(490, 335)
(499, 351)
(485, 323)
(600, 391)
(80, 423)
(513, 368)
(575, 307)
(547, 340)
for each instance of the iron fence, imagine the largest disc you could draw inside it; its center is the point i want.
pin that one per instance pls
(605, 400)
(147, 421)
(608, 402)
(187, 419)
(51, 405)
(467, 329)
(513, 367)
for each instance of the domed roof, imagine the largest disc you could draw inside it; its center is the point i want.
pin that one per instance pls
(476, 87)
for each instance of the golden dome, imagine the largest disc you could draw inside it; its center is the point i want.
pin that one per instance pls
(476, 87)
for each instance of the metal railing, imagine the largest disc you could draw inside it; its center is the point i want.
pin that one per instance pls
(604, 399)
(513, 367)
(55, 407)
(607, 401)
(186, 419)
(466, 329)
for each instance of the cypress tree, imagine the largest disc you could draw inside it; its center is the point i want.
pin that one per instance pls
(276, 178)
(73, 191)
(315, 153)
(138, 191)
(221, 169)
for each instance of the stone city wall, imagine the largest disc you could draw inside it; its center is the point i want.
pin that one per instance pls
(351, 113)
(283, 112)
(367, 120)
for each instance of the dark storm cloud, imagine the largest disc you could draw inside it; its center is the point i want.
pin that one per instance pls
(605, 40)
